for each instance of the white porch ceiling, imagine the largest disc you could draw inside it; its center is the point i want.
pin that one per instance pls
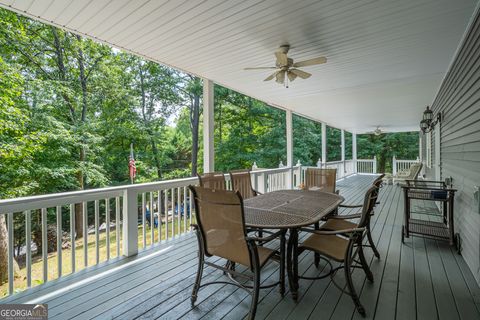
(386, 59)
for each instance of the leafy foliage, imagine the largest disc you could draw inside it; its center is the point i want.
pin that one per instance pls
(403, 145)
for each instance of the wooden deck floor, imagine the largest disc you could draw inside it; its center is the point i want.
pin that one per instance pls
(422, 279)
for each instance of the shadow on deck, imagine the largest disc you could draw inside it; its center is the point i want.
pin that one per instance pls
(422, 279)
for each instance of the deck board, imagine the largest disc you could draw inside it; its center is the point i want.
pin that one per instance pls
(423, 279)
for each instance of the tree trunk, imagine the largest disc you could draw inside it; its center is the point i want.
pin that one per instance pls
(82, 155)
(194, 117)
(146, 121)
(4, 252)
(156, 157)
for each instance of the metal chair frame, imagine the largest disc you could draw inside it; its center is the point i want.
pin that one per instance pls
(229, 268)
(354, 248)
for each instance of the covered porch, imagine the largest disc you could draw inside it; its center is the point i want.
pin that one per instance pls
(423, 279)
(386, 63)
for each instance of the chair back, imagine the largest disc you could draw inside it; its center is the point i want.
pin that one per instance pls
(415, 170)
(369, 202)
(324, 179)
(221, 223)
(213, 180)
(242, 182)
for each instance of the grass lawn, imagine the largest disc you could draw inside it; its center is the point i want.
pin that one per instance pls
(20, 282)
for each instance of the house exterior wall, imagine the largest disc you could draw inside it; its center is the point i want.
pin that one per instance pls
(458, 100)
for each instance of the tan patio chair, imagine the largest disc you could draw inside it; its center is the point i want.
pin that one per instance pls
(213, 180)
(221, 232)
(321, 179)
(410, 174)
(342, 246)
(242, 182)
(341, 222)
(317, 179)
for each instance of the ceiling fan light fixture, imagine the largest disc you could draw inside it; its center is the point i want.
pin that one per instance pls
(287, 69)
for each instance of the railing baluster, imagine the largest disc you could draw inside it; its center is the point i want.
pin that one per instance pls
(72, 235)
(185, 209)
(97, 236)
(85, 233)
(59, 241)
(107, 225)
(173, 213)
(191, 208)
(144, 222)
(152, 220)
(28, 243)
(159, 218)
(117, 224)
(166, 214)
(45, 244)
(179, 214)
(10, 252)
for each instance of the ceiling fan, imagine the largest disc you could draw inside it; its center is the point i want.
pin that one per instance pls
(286, 69)
(378, 131)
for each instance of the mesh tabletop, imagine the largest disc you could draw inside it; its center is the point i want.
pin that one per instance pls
(289, 208)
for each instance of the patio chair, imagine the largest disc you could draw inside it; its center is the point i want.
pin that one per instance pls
(341, 222)
(213, 180)
(410, 174)
(221, 232)
(343, 246)
(321, 179)
(317, 179)
(242, 183)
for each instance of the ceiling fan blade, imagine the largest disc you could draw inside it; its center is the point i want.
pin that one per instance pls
(280, 77)
(259, 68)
(282, 58)
(310, 62)
(270, 77)
(300, 73)
(291, 76)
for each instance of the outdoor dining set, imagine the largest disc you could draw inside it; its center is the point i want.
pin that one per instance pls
(248, 229)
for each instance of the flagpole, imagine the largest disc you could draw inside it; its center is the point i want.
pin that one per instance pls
(132, 177)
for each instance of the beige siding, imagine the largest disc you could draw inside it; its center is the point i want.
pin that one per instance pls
(459, 102)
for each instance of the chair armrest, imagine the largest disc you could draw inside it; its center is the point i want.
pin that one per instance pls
(335, 232)
(346, 217)
(265, 239)
(194, 226)
(350, 206)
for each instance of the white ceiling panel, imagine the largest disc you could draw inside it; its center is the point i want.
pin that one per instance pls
(386, 59)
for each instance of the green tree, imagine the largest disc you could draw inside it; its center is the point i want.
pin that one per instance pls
(403, 145)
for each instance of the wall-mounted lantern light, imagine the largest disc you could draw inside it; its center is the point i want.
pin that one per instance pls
(428, 122)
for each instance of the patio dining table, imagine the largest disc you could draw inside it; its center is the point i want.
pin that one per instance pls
(289, 209)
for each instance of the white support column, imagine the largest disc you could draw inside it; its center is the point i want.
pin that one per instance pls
(420, 147)
(324, 143)
(208, 123)
(343, 144)
(289, 133)
(130, 223)
(354, 152)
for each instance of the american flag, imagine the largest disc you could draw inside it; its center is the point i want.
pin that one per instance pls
(131, 165)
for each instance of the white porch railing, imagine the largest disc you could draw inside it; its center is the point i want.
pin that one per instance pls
(402, 165)
(116, 221)
(169, 214)
(367, 165)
